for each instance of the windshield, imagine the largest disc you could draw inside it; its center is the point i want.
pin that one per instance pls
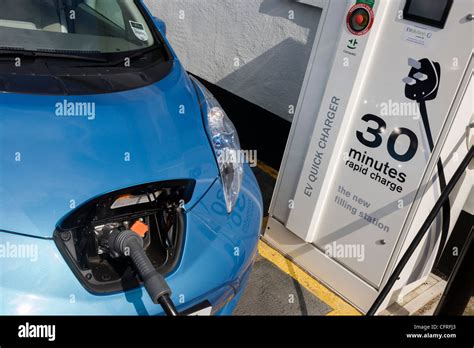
(73, 26)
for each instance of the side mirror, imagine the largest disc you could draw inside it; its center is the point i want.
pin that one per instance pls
(160, 25)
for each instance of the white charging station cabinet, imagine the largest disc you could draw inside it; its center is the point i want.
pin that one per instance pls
(382, 123)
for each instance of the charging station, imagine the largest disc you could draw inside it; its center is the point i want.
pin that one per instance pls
(382, 124)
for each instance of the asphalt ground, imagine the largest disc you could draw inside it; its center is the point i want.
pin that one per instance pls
(272, 292)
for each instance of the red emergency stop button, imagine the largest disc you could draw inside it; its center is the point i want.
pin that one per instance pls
(360, 19)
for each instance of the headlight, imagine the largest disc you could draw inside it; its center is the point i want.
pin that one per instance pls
(226, 144)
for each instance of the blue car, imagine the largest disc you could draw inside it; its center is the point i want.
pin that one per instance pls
(121, 182)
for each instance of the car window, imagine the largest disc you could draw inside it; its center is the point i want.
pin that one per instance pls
(104, 26)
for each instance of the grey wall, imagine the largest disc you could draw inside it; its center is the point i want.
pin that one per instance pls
(252, 48)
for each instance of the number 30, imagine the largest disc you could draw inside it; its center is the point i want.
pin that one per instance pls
(392, 140)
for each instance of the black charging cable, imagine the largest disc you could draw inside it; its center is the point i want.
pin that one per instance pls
(129, 244)
(446, 218)
(421, 233)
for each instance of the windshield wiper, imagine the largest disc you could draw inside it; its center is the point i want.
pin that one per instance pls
(43, 54)
(121, 61)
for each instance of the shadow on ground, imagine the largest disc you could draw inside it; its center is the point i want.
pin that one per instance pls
(273, 292)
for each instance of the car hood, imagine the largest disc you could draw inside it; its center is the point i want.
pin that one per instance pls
(53, 160)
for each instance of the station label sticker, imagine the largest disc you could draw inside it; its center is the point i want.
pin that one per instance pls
(139, 30)
(418, 36)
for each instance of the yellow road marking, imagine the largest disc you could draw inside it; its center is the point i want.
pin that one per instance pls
(268, 170)
(339, 306)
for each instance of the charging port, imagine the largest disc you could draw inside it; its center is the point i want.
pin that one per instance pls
(154, 212)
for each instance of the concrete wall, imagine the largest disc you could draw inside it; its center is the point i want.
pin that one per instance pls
(256, 49)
